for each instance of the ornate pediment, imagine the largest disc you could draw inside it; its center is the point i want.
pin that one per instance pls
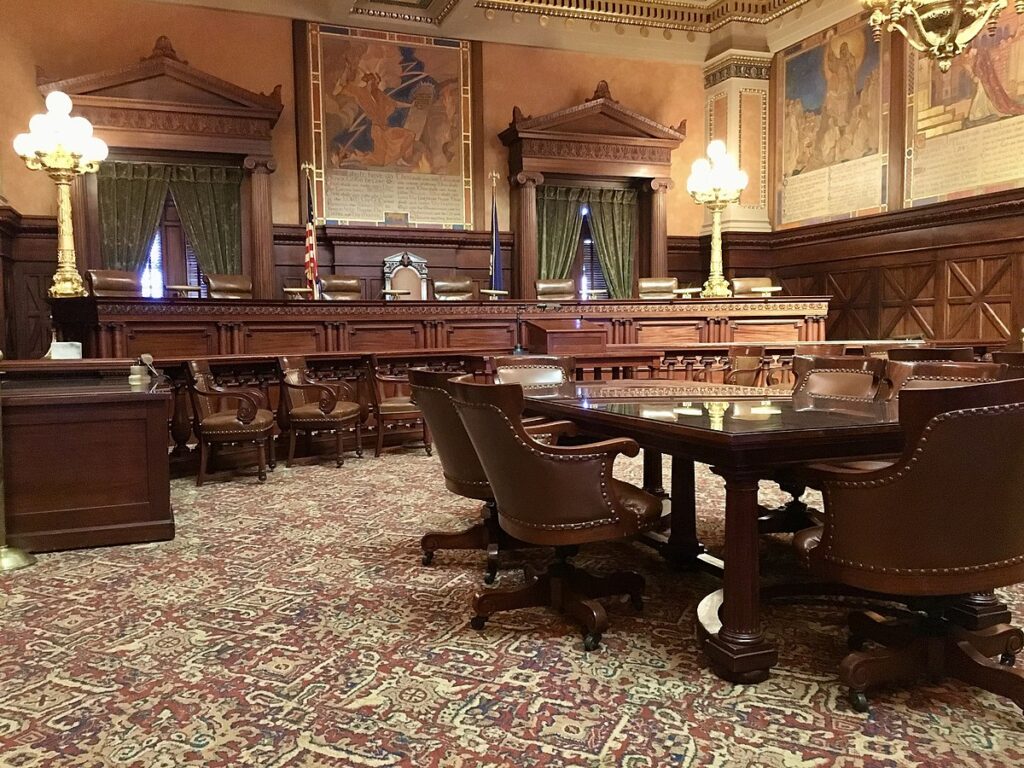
(598, 137)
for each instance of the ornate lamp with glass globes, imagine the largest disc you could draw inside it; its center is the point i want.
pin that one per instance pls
(716, 182)
(64, 147)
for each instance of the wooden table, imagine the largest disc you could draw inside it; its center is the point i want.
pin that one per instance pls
(744, 439)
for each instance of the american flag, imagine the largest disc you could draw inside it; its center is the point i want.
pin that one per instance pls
(312, 272)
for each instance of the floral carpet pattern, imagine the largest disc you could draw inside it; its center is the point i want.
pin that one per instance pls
(292, 624)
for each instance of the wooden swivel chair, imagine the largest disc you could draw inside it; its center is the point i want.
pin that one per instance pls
(657, 288)
(554, 496)
(392, 406)
(463, 474)
(537, 374)
(933, 527)
(250, 422)
(930, 374)
(228, 286)
(555, 290)
(316, 407)
(114, 283)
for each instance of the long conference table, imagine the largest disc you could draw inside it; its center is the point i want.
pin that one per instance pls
(745, 435)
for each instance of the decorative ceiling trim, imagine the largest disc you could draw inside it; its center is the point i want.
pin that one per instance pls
(661, 14)
(743, 65)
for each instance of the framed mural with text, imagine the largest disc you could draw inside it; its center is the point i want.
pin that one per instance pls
(965, 127)
(832, 125)
(389, 128)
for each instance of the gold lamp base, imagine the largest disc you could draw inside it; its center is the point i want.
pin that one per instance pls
(67, 285)
(716, 287)
(12, 559)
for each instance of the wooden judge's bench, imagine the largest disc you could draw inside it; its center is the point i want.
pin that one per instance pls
(117, 327)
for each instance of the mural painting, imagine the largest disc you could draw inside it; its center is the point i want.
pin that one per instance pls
(833, 106)
(966, 126)
(393, 143)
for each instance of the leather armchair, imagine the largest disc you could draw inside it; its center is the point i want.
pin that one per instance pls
(1014, 362)
(937, 374)
(913, 354)
(454, 289)
(753, 286)
(653, 288)
(114, 283)
(931, 527)
(847, 377)
(228, 286)
(316, 407)
(555, 290)
(250, 421)
(391, 403)
(537, 374)
(341, 288)
(556, 496)
(463, 474)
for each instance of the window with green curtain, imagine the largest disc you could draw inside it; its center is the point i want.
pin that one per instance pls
(130, 198)
(612, 217)
(209, 201)
(558, 229)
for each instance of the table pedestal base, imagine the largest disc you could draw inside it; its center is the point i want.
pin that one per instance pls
(740, 659)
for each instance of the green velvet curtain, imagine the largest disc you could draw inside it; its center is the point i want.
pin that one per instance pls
(209, 201)
(558, 229)
(130, 197)
(612, 219)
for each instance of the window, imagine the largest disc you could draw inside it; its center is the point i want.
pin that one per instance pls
(153, 271)
(591, 274)
(171, 260)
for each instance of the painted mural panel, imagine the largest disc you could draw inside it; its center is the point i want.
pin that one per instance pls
(965, 128)
(833, 123)
(391, 128)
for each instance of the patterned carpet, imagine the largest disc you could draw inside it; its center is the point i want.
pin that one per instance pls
(293, 625)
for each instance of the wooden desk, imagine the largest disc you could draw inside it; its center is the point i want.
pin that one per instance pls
(116, 327)
(564, 336)
(743, 446)
(85, 463)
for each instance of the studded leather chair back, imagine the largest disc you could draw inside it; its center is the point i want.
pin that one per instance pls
(846, 377)
(114, 283)
(454, 289)
(556, 290)
(229, 286)
(341, 288)
(650, 288)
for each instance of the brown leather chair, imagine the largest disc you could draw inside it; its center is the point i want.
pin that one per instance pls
(555, 290)
(114, 283)
(553, 496)
(915, 354)
(655, 288)
(251, 421)
(228, 286)
(341, 288)
(745, 366)
(317, 407)
(537, 374)
(454, 289)
(748, 286)
(463, 474)
(391, 403)
(932, 528)
(1014, 362)
(937, 374)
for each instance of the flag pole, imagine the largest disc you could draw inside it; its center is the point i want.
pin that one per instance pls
(307, 167)
(494, 189)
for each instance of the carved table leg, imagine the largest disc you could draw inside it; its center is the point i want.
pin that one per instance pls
(652, 473)
(730, 620)
(181, 425)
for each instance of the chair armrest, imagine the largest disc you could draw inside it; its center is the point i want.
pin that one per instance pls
(730, 377)
(328, 396)
(390, 378)
(249, 401)
(624, 445)
(551, 429)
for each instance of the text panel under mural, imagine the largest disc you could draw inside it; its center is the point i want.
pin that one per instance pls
(965, 127)
(833, 112)
(391, 128)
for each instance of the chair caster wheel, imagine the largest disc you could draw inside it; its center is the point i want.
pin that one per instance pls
(477, 622)
(489, 577)
(855, 643)
(430, 452)
(859, 701)
(591, 641)
(428, 557)
(1007, 659)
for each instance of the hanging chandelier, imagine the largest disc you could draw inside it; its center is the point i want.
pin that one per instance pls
(941, 29)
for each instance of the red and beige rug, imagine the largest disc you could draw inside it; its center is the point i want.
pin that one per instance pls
(292, 624)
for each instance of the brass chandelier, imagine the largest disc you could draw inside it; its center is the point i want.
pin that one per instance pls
(941, 29)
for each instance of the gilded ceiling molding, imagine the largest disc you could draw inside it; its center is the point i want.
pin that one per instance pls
(663, 14)
(739, 65)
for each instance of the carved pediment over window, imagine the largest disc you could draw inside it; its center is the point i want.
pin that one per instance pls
(160, 102)
(600, 130)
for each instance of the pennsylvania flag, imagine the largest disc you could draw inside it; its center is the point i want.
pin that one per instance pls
(312, 271)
